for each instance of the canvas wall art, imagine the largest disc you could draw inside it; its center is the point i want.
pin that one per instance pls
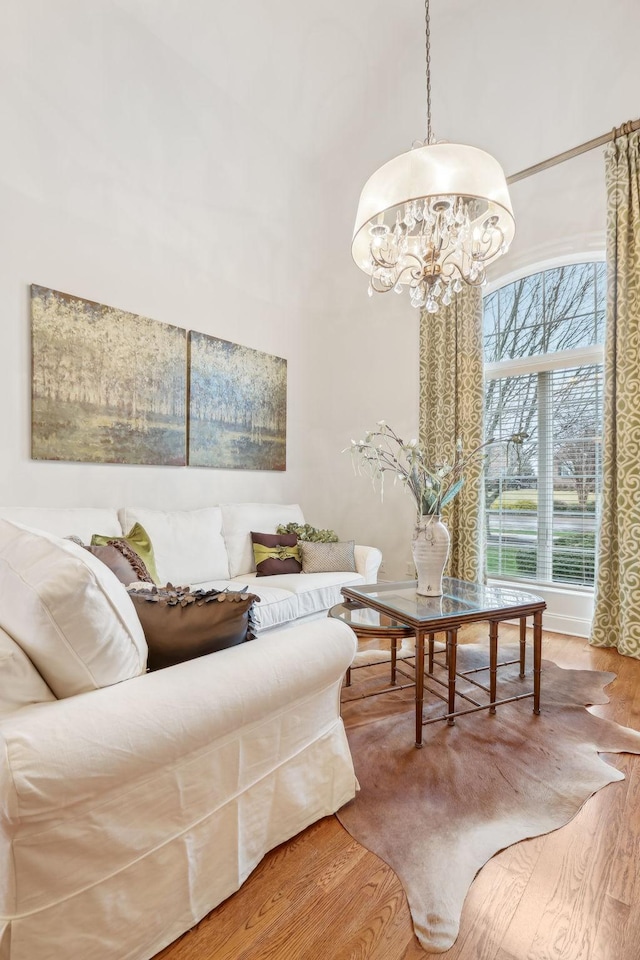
(108, 386)
(237, 406)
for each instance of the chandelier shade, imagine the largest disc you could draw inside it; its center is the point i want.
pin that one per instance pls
(434, 218)
(430, 218)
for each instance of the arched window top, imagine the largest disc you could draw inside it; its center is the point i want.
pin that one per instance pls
(546, 312)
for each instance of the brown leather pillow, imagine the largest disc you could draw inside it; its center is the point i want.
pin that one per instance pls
(180, 624)
(276, 553)
(126, 570)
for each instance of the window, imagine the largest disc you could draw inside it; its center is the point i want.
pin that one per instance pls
(543, 362)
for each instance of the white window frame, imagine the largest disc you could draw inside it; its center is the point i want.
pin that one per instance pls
(569, 608)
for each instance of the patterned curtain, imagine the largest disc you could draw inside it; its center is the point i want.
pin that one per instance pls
(451, 407)
(616, 621)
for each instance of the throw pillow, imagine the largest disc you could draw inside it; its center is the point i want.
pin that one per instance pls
(122, 561)
(68, 612)
(180, 624)
(276, 553)
(328, 557)
(138, 540)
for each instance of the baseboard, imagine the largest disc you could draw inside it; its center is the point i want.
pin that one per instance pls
(559, 623)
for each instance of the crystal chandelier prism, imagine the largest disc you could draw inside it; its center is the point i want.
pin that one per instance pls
(432, 219)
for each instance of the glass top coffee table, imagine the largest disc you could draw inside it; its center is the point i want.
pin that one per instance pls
(461, 603)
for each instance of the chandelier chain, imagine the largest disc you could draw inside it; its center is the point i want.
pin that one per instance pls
(428, 71)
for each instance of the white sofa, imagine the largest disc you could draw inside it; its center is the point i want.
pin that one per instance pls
(132, 803)
(211, 547)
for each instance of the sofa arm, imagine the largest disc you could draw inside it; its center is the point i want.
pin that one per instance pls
(95, 742)
(368, 560)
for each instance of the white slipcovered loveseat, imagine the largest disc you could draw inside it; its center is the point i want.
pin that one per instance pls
(131, 803)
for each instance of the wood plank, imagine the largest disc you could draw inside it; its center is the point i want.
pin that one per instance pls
(624, 881)
(493, 900)
(612, 940)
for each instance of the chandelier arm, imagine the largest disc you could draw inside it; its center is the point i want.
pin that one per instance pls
(448, 268)
(378, 287)
(392, 264)
(380, 261)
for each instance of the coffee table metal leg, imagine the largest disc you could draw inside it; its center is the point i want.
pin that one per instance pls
(419, 684)
(537, 659)
(493, 662)
(394, 658)
(523, 644)
(431, 637)
(452, 650)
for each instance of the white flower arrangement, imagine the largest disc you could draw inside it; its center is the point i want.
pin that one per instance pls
(432, 487)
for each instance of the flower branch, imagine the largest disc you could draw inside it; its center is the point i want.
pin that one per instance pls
(432, 487)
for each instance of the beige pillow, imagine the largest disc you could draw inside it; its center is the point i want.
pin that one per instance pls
(20, 682)
(68, 612)
(328, 557)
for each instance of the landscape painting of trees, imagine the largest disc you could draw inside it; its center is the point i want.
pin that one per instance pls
(237, 406)
(108, 386)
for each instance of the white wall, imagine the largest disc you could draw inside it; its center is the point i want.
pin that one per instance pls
(200, 163)
(168, 160)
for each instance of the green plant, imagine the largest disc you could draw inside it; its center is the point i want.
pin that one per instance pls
(432, 486)
(307, 532)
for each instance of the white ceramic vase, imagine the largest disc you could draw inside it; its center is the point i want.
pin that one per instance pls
(430, 548)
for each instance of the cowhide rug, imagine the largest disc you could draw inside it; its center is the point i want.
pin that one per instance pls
(436, 815)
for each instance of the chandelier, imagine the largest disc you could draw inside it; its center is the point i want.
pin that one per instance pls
(432, 219)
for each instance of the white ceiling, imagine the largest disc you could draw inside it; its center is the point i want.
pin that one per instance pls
(521, 80)
(342, 84)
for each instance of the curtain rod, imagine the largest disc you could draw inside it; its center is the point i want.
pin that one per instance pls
(575, 151)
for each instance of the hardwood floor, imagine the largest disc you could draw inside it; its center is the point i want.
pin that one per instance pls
(571, 895)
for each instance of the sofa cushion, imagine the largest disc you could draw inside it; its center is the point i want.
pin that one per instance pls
(81, 522)
(239, 519)
(20, 683)
(328, 557)
(138, 539)
(308, 594)
(68, 612)
(276, 553)
(180, 624)
(276, 606)
(188, 544)
(288, 597)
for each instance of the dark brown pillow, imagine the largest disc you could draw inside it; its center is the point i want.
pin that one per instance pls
(180, 624)
(126, 571)
(276, 553)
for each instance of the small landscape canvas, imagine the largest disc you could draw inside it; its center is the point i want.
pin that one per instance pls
(108, 386)
(237, 406)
